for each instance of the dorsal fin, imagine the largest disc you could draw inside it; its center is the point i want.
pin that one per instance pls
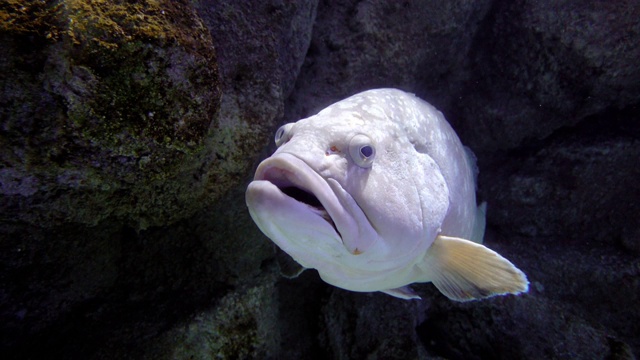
(472, 160)
(479, 223)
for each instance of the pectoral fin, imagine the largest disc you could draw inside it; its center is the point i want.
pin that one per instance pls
(463, 270)
(289, 268)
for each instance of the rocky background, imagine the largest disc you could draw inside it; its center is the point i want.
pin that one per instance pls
(131, 128)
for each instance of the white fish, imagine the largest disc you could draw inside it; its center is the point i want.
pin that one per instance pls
(376, 192)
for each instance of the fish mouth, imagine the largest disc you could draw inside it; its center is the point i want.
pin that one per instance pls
(302, 185)
(306, 197)
(296, 181)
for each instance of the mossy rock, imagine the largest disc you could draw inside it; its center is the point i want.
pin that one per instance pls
(106, 105)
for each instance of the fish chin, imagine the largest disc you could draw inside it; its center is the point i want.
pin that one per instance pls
(299, 229)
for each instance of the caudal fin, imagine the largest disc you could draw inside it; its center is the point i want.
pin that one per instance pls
(463, 270)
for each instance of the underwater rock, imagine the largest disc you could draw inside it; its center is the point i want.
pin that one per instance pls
(239, 325)
(359, 326)
(121, 149)
(108, 292)
(361, 45)
(539, 66)
(510, 329)
(102, 106)
(261, 46)
(105, 111)
(576, 185)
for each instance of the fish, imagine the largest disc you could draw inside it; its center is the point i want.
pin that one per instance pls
(376, 192)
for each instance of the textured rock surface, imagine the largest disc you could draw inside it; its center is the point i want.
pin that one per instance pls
(577, 183)
(543, 65)
(362, 45)
(260, 45)
(129, 130)
(123, 167)
(101, 105)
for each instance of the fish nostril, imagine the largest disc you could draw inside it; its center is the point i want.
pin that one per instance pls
(333, 150)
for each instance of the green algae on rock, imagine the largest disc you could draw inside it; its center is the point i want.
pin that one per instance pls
(107, 105)
(152, 64)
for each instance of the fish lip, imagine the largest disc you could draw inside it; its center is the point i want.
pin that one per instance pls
(286, 169)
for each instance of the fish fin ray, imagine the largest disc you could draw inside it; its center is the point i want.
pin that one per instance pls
(463, 270)
(404, 292)
(289, 268)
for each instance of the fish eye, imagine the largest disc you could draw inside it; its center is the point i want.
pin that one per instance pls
(366, 151)
(362, 150)
(283, 134)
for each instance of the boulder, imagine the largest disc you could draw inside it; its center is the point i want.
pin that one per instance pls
(102, 105)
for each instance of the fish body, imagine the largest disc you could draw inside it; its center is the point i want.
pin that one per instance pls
(377, 192)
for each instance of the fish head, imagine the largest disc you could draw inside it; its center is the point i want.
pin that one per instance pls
(348, 194)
